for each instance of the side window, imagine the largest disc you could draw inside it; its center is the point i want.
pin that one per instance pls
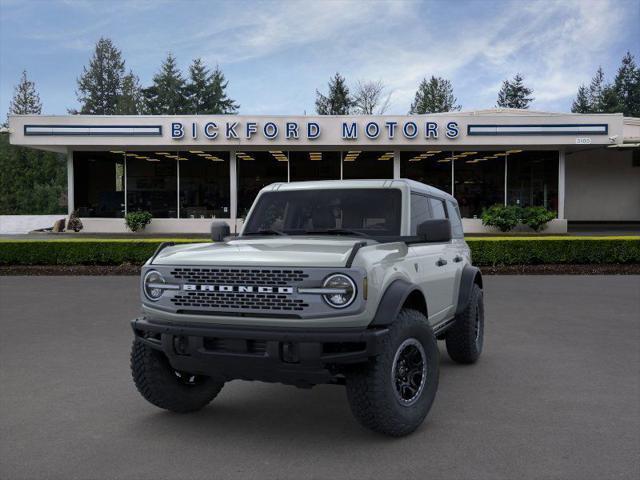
(456, 223)
(419, 211)
(437, 207)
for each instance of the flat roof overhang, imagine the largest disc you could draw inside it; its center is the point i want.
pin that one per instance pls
(379, 132)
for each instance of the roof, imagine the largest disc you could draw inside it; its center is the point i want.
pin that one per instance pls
(367, 183)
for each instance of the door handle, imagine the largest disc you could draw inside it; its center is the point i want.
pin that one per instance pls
(441, 262)
(457, 258)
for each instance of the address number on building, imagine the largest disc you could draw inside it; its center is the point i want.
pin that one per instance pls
(583, 141)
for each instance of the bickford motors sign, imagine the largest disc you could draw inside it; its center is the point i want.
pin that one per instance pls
(294, 130)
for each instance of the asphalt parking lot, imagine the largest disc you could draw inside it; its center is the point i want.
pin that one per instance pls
(555, 395)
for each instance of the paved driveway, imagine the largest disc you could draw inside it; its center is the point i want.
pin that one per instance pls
(555, 395)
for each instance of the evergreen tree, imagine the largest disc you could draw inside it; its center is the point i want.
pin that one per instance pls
(206, 91)
(433, 96)
(100, 85)
(338, 101)
(627, 86)
(596, 91)
(581, 104)
(196, 89)
(167, 95)
(219, 102)
(130, 101)
(514, 94)
(25, 99)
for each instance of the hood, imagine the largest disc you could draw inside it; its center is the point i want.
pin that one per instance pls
(279, 251)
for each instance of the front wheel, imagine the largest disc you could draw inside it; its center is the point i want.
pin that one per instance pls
(393, 393)
(165, 387)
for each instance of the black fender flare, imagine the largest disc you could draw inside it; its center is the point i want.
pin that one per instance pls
(470, 276)
(392, 301)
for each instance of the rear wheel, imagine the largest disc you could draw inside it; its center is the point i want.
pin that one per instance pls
(393, 393)
(165, 387)
(465, 338)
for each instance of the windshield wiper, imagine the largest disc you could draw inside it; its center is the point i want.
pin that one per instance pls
(267, 231)
(337, 231)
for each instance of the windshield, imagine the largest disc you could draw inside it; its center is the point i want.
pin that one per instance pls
(361, 212)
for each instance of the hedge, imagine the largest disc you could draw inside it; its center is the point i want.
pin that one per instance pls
(485, 250)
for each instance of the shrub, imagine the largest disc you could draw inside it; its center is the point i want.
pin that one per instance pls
(485, 251)
(74, 223)
(536, 217)
(503, 217)
(137, 220)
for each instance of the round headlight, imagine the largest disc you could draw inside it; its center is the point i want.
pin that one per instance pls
(344, 290)
(151, 283)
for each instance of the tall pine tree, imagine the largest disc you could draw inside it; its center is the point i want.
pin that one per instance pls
(25, 99)
(100, 85)
(338, 100)
(167, 95)
(433, 96)
(206, 92)
(130, 101)
(582, 103)
(514, 94)
(627, 86)
(31, 181)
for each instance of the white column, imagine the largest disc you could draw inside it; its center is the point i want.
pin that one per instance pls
(396, 164)
(70, 180)
(506, 168)
(233, 183)
(341, 165)
(177, 188)
(561, 177)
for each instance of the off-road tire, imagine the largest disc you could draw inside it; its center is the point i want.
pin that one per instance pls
(371, 389)
(160, 385)
(464, 342)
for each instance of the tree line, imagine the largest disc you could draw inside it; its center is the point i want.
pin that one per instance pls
(33, 181)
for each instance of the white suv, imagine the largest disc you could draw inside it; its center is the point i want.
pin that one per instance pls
(341, 282)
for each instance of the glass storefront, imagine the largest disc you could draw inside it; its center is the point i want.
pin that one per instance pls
(204, 184)
(257, 170)
(364, 164)
(152, 183)
(478, 179)
(314, 166)
(196, 184)
(532, 178)
(432, 167)
(99, 184)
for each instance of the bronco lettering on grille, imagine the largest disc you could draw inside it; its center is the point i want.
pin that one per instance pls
(237, 289)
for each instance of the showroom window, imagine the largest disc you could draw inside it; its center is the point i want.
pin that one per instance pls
(363, 164)
(532, 178)
(99, 184)
(315, 165)
(478, 180)
(432, 167)
(204, 184)
(257, 170)
(152, 183)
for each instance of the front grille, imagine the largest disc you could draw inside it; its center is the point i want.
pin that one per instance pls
(238, 301)
(238, 276)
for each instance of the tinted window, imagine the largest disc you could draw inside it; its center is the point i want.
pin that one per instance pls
(419, 211)
(454, 218)
(374, 212)
(437, 208)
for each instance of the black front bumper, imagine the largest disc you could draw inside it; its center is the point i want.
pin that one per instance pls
(302, 358)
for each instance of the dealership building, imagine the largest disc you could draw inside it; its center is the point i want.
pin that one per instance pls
(187, 170)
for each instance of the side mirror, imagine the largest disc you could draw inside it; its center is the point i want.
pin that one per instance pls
(219, 230)
(436, 230)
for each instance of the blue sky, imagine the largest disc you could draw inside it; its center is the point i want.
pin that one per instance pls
(276, 53)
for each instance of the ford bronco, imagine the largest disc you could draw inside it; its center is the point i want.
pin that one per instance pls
(332, 282)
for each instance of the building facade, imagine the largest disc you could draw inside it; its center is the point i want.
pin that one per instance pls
(187, 170)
